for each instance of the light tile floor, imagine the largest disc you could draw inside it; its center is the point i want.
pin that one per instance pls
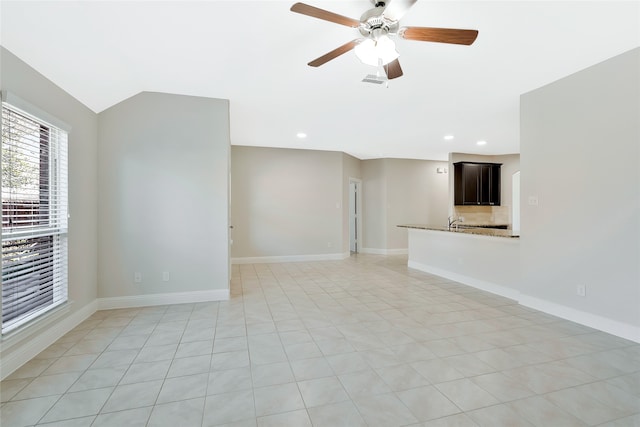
(360, 342)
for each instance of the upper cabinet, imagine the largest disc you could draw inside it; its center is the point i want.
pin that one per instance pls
(477, 183)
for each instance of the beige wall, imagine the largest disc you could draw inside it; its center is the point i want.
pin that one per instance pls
(416, 194)
(295, 203)
(26, 83)
(286, 202)
(580, 157)
(163, 195)
(374, 205)
(401, 191)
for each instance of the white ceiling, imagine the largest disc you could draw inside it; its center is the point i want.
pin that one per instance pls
(254, 53)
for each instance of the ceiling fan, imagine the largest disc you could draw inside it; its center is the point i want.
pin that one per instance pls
(376, 25)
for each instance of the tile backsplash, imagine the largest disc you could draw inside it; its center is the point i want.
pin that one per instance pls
(484, 215)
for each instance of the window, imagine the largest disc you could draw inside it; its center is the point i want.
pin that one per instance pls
(34, 217)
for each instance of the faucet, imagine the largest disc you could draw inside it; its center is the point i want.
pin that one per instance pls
(453, 220)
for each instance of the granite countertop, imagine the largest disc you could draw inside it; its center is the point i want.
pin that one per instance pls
(494, 232)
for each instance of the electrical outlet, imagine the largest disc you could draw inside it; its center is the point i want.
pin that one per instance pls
(165, 276)
(581, 290)
(137, 277)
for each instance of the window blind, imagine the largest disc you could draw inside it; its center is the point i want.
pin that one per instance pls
(34, 217)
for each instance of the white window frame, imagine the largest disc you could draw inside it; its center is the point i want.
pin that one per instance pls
(53, 225)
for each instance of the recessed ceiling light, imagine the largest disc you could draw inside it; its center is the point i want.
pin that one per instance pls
(448, 137)
(481, 142)
(301, 135)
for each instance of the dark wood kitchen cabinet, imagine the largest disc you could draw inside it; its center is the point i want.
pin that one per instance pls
(477, 183)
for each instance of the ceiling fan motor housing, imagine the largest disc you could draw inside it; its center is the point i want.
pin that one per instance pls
(373, 23)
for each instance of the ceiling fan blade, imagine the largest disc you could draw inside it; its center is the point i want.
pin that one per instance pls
(315, 12)
(439, 35)
(393, 69)
(397, 8)
(334, 53)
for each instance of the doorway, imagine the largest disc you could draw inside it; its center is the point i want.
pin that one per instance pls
(355, 215)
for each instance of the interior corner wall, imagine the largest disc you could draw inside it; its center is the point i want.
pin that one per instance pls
(580, 158)
(163, 197)
(26, 83)
(400, 191)
(286, 204)
(374, 206)
(416, 194)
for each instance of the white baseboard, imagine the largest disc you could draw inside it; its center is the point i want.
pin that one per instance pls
(289, 258)
(467, 280)
(162, 299)
(31, 346)
(376, 251)
(613, 327)
(623, 330)
(40, 340)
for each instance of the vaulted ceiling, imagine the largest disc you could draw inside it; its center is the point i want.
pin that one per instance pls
(254, 53)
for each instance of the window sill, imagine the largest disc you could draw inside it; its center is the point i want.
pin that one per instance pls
(28, 330)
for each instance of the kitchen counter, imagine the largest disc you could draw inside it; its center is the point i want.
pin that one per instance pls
(485, 258)
(483, 231)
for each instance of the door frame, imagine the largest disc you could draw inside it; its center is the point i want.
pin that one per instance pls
(515, 201)
(355, 214)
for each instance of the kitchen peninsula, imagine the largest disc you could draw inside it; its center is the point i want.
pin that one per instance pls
(485, 258)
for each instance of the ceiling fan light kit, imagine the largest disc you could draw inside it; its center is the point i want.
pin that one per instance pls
(376, 52)
(376, 48)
